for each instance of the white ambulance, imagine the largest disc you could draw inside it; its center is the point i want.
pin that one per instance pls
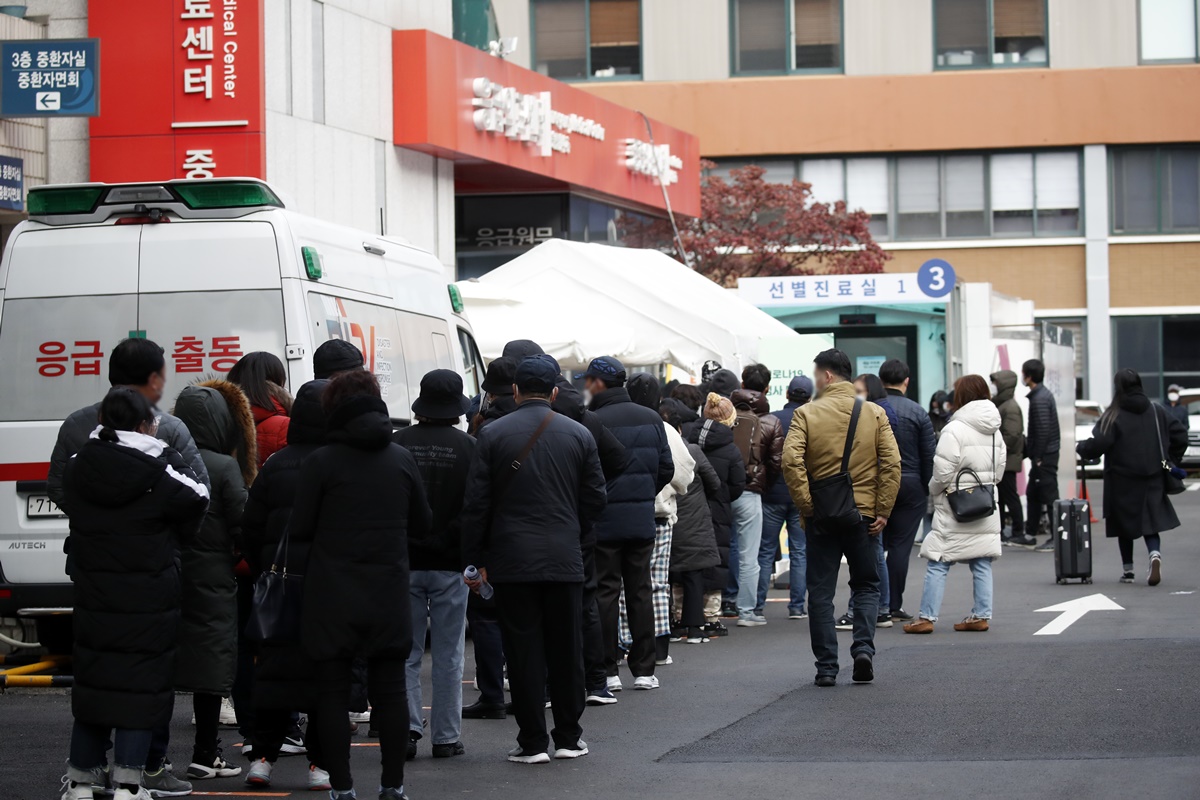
(210, 270)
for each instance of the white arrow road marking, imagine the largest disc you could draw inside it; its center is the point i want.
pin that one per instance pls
(1072, 611)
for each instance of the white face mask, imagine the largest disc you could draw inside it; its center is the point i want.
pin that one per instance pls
(995, 391)
(861, 395)
(1173, 397)
(587, 397)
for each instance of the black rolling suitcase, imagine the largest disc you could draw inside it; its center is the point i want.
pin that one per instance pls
(1072, 531)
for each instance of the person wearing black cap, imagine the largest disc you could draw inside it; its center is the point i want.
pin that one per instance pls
(335, 357)
(535, 483)
(779, 510)
(725, 382)
(497, 393)
(444, 454)
(625, 533)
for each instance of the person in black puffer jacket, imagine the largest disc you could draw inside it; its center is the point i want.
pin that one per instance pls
(626, 531)
(130, 498)
(359, 499)
(218, 415)
(284, 679)
(1042, 445)
(715, 437)
(439, 596)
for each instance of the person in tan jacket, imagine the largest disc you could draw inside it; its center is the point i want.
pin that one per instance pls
(813, 451)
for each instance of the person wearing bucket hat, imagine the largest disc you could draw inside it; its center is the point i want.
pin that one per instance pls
(439, 596)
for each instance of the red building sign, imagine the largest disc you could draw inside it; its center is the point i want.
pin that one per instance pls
(182, 90)
(510, 129)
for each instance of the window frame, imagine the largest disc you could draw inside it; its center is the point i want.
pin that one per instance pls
(789, 46)
(587, 37)
(1143, 61)
(991, 39)
(1160, 191)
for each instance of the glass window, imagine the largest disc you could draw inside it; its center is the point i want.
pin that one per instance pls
(867, 189)
(827, 177)
(965, 196)
(984, 33)
(818, 27)
(1012, 194)
(580, 39)
(1135, 191)
(1180, 353)
(1167, 30)
(1181, 205)
(761, 32)
(1057, 192)
(918, 199)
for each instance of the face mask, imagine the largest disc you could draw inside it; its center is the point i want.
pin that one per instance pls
(946, 408)
(995, 391)
(1173, 397)
(861, 395)
(587, 397)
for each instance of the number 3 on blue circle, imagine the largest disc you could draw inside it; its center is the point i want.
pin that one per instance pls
(936, 278)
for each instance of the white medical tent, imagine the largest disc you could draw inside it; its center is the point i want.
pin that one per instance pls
(580, 301)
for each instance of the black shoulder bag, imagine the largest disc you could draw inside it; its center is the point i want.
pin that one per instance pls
(278, 601)
(500, 487)
(834, 508)
(973, 502)
(1172, 482)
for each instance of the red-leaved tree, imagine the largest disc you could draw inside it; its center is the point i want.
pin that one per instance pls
(749, 227)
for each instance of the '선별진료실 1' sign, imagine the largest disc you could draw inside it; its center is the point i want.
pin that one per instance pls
(182, 90)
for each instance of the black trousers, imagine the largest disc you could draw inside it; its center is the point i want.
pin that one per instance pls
(271, 726)
(389, 716)
(825, 550)
(899, 535)
(692, 583)
(1042, 492)
(594, 673)
(626, 563)
(543, 638)
(1010, 502)
(489, 652)
(207, 708)
(243, 680)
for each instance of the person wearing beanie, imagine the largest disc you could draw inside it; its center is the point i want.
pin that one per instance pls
(725, 382)
(645, 390)
(335, 357)
(439, 596)
(779, 511)
(523, 530)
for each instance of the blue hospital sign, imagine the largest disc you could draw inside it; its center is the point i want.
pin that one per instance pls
(55, 78)
(12, 183)
(932, 283)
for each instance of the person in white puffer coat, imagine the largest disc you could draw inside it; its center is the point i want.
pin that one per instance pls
(971, 441)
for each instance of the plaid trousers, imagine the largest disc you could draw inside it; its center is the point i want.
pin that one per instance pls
(660, 585)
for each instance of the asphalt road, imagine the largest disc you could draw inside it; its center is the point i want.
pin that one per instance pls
(1106, 709)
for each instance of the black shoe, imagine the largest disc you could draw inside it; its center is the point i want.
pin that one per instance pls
(846, 623)
(716, 629)
(902, 616)
(413, 738)
(864, 668)
(1046, 546)
(482, 710)
(826, 681)
(729, 610)
(1023, 541)
(884, 620)
(448, 750)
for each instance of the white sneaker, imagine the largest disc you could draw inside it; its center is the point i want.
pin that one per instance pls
(318, 779)
(581, 749)
(219, 768)
(666, 662)
(228, 716)
(365, 716)
(646, 682)
(259, 774)
(614, 684)
(81, 791)
(125, 794)
(519, 756)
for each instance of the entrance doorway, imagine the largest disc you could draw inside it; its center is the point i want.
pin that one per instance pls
(871, 345)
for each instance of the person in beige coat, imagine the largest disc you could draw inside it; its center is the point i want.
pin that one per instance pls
(812, 452)
(970, 453)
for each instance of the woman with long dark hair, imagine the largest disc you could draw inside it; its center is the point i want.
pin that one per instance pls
(1135, 437)
(262, 377)
(130, 497)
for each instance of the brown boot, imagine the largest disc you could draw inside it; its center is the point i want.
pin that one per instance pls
(972, 624)
(919, 626)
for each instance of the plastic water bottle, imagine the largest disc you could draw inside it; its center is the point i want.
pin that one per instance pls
(472, 574)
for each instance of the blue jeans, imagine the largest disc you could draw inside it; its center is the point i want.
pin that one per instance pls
(440, 598)
(884, 586)
(89, 753)
(748, 519)
(825, 551)
(775, 516)
(935, 588)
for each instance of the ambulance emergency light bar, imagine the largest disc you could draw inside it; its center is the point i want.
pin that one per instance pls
(188, 199)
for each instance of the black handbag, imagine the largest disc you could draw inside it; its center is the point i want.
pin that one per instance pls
(278, 600)
(1172, 481)
(834, 508)
(973, 502)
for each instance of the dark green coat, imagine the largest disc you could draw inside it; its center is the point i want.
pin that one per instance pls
(207, 654)
(1012, 421)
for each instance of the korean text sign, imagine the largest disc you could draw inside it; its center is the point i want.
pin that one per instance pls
(50, 78)
(888, 288)
(12, 183)
(199, 111)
